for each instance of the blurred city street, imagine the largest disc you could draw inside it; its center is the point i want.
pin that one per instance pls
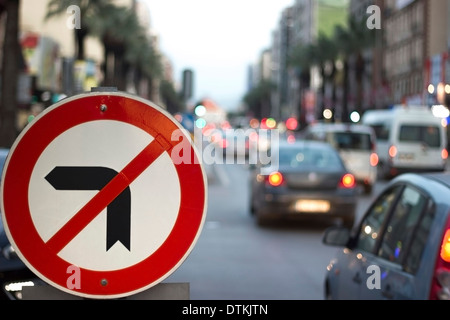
(103, 103)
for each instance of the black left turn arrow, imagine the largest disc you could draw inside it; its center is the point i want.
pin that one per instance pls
(118, 220)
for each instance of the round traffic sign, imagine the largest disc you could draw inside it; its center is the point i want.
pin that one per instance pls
(103, 195)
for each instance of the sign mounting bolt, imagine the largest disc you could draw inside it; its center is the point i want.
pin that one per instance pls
(103, 108)
(104, 282)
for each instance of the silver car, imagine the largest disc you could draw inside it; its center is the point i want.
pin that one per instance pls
(401, 248)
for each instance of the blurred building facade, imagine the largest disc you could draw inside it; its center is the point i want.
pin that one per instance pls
(51, 69)
(300, 23)
(49, 51)
(408, 61)
(416, 50)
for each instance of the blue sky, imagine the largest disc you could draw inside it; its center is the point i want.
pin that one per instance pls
(217, 39)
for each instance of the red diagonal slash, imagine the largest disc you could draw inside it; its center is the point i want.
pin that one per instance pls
(105, 196)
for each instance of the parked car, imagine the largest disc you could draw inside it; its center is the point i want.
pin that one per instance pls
(400, 250)
(308, 180)
(13, 272)
(357, 146)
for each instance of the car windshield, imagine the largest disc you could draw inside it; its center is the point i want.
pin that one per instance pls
(350, 141)
(310, 157)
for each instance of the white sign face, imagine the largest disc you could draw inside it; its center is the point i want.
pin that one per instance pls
(154, 203)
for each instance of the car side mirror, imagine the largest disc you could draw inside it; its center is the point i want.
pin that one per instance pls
(336, 236)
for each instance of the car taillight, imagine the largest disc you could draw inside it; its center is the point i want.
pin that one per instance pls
(444, 154)
(440, 288)
(445, 248)
(291, 139)
(275, 179)
(374, 159)
(348, 181)
(393, 151)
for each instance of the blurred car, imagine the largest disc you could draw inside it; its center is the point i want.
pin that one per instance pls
(308, 180)
(357, 146)
(409, 139)
(401, 248)
(13, 272)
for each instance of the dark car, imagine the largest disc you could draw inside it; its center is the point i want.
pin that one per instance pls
(308, 180)
(356, 144)
(13, 272)
(401, 248)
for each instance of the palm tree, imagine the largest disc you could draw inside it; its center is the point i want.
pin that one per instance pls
(321, 54)
(352, 42)
(301, 59)
(325, 54)
(143, 58)
(258, 99)
(127, 45)
(90, 11)
(171, 99)
(10, 70)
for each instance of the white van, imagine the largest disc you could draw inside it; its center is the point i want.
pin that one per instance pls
(409, 139)
(355, 143)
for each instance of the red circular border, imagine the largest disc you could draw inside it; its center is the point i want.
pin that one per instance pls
(19, 225)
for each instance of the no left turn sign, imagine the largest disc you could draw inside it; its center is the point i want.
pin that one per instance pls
(96, 183)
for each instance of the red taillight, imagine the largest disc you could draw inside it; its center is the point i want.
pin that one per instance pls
(291, 139)
(374, 159)
(275, 179)
(440, 287)
(445, 247)
(393, 151)
(444, 154)
(348, 181)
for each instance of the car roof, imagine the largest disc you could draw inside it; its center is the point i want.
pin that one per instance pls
(443, 178)
(304, 143)
(349, 127)
(436, 184)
